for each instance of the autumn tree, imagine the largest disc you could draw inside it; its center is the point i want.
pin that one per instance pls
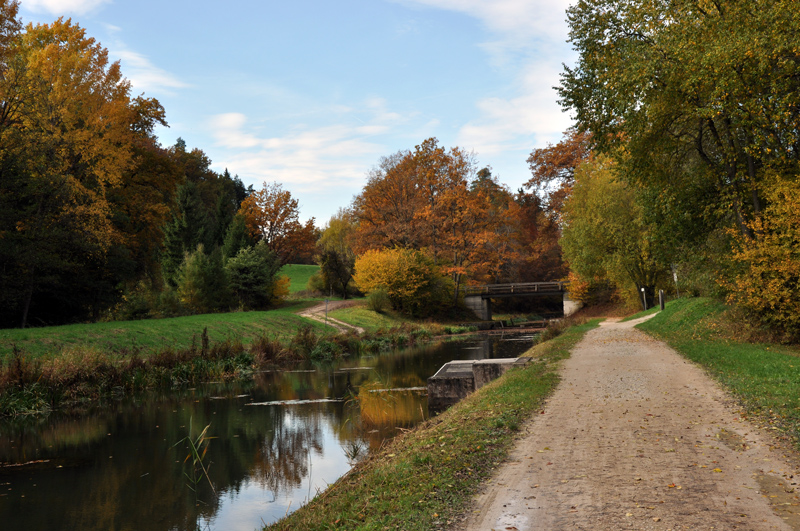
(335, 254)
(272, 215)
(605, 235)
(431, 200)
(766, 270)
(691, 88)
(66, 137)
(409, 277)
(553, 169)
(142, 203)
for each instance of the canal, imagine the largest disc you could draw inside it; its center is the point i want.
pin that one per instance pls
(273, 443)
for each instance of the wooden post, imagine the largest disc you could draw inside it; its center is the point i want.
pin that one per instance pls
(661, 299)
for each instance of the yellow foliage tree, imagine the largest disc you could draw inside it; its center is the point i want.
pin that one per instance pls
(767, 279)
(411, 280)
(66, 136)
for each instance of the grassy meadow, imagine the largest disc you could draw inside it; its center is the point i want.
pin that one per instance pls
(298, 275)
(151, 335)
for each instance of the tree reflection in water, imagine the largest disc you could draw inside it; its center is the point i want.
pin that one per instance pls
(117, 467)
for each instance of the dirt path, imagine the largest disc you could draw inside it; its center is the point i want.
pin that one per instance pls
(636, 437)
(317, 313)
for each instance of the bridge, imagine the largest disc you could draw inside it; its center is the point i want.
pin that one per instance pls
(478, 298)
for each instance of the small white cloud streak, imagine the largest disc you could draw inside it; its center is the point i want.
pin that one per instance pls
(61, 7)
(144, 75)
(532, 115)
(513, 19)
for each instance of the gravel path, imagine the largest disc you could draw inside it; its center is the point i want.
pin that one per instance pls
(317, 313)
(636, 437)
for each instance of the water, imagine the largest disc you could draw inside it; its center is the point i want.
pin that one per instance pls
(277, 441)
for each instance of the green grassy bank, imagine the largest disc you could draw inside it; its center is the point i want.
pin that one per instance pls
(120, 338)
(425, 478)
(43, 369)
(764, 377)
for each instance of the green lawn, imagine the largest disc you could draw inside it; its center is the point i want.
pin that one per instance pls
(155, 334)
(298, 275)
(367, 319)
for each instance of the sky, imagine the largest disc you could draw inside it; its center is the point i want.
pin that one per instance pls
(312, 93)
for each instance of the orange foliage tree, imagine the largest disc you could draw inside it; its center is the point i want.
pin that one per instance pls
(429, 200)
(272, 215)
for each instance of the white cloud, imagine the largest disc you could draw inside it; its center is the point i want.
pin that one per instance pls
(144, 75)
(513, 19)
(315, 161)
(528, 37)
(60, 7)
(531, 116)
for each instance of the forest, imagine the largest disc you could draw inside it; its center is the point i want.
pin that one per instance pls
(692, 111)
(680, 174)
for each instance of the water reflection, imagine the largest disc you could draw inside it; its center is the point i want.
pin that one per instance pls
(118, 467)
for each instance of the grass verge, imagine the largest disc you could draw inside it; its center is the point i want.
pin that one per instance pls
(425, 479)
(764, 377)
(360, 315)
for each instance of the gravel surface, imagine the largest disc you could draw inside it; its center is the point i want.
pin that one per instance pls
(636, 437)
(317, 313)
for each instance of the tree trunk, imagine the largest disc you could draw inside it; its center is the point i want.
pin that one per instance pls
(27, 305)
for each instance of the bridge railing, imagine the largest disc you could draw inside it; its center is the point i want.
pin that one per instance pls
(517, 288)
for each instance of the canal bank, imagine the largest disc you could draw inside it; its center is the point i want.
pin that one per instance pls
(424, 479)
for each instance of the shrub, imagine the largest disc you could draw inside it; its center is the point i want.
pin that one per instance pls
(378, 300)
(767, 280)
(412, 282)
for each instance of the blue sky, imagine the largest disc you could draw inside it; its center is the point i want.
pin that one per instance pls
(313, 93)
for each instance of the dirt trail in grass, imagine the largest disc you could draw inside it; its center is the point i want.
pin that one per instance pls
(318, 314)
(636, 437)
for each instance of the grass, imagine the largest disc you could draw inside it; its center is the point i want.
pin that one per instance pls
(764, 377)
(426, 478)
(146, 336)
(360, 315)
(298, 275)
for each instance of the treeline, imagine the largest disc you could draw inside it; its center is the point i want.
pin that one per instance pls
(97, 218)
(427, 223)
(691, 110)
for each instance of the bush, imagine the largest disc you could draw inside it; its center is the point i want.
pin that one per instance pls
(767, 280)
(252, 276)
(412, 282)
(378, 301)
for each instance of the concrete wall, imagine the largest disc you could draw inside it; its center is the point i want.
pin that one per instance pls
(482, 307)
(570, 306)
